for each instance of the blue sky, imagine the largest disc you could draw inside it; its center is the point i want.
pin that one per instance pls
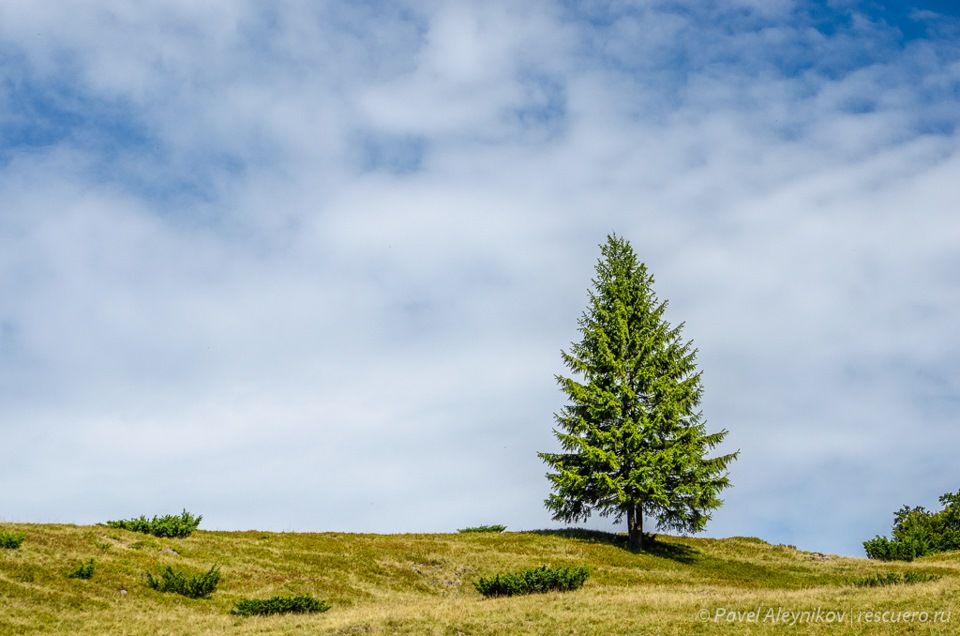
(311, 266)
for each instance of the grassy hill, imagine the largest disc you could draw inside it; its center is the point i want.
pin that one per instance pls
(423, 584)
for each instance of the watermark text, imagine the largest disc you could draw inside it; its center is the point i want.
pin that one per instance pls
(785, 616)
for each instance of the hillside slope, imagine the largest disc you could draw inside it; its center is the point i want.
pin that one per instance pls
(423, 584)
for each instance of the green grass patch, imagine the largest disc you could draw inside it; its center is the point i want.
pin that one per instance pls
(423, 584)
(83, 570)
(533, 581)
(173, 526)
(494, 528)
(885, 579)
(11, 540)
(279, 605)
(179, 582)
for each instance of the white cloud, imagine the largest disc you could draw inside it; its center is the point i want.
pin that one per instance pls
(306, 252)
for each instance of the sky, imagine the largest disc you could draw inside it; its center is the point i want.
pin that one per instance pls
(301, 266)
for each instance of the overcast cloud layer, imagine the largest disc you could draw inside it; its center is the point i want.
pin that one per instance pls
(310, 266)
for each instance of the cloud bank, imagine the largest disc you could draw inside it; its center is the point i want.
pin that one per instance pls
(310, 267)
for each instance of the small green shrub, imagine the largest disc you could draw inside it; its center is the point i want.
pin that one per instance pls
(533, 581)
(895, 578)
(496, 528)
(83, 571)
(279, 605)
(883, 549)
(191, 586)
(173, 526)
(11, 540)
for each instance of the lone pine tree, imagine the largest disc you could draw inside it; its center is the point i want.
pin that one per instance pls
(634, 442)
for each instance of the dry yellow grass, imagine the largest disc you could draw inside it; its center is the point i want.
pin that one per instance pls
(423, 584)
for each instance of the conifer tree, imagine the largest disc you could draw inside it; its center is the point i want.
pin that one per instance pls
(633, 441)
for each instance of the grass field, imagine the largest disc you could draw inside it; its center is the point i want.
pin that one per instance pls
(423, 584)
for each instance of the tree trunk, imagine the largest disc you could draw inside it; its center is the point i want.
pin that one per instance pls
(635, 528)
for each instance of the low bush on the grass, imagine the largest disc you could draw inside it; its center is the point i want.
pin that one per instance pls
(179, 582)
(896, 578)
(883, 549)
(496, 528)
(175, 526)
(533, 581)
(11, 540)
(83, 571)
(279, 605)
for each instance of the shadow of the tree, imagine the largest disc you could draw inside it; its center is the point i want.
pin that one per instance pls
(651, 545)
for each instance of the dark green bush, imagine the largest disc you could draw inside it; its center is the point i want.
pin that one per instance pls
(83, 571)
(896, 578)
(279, 605)
(883, 549)
(191, 586)
(175, 526)
(918, 532)
(533, 581)
(11, 540)
(496, 528)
